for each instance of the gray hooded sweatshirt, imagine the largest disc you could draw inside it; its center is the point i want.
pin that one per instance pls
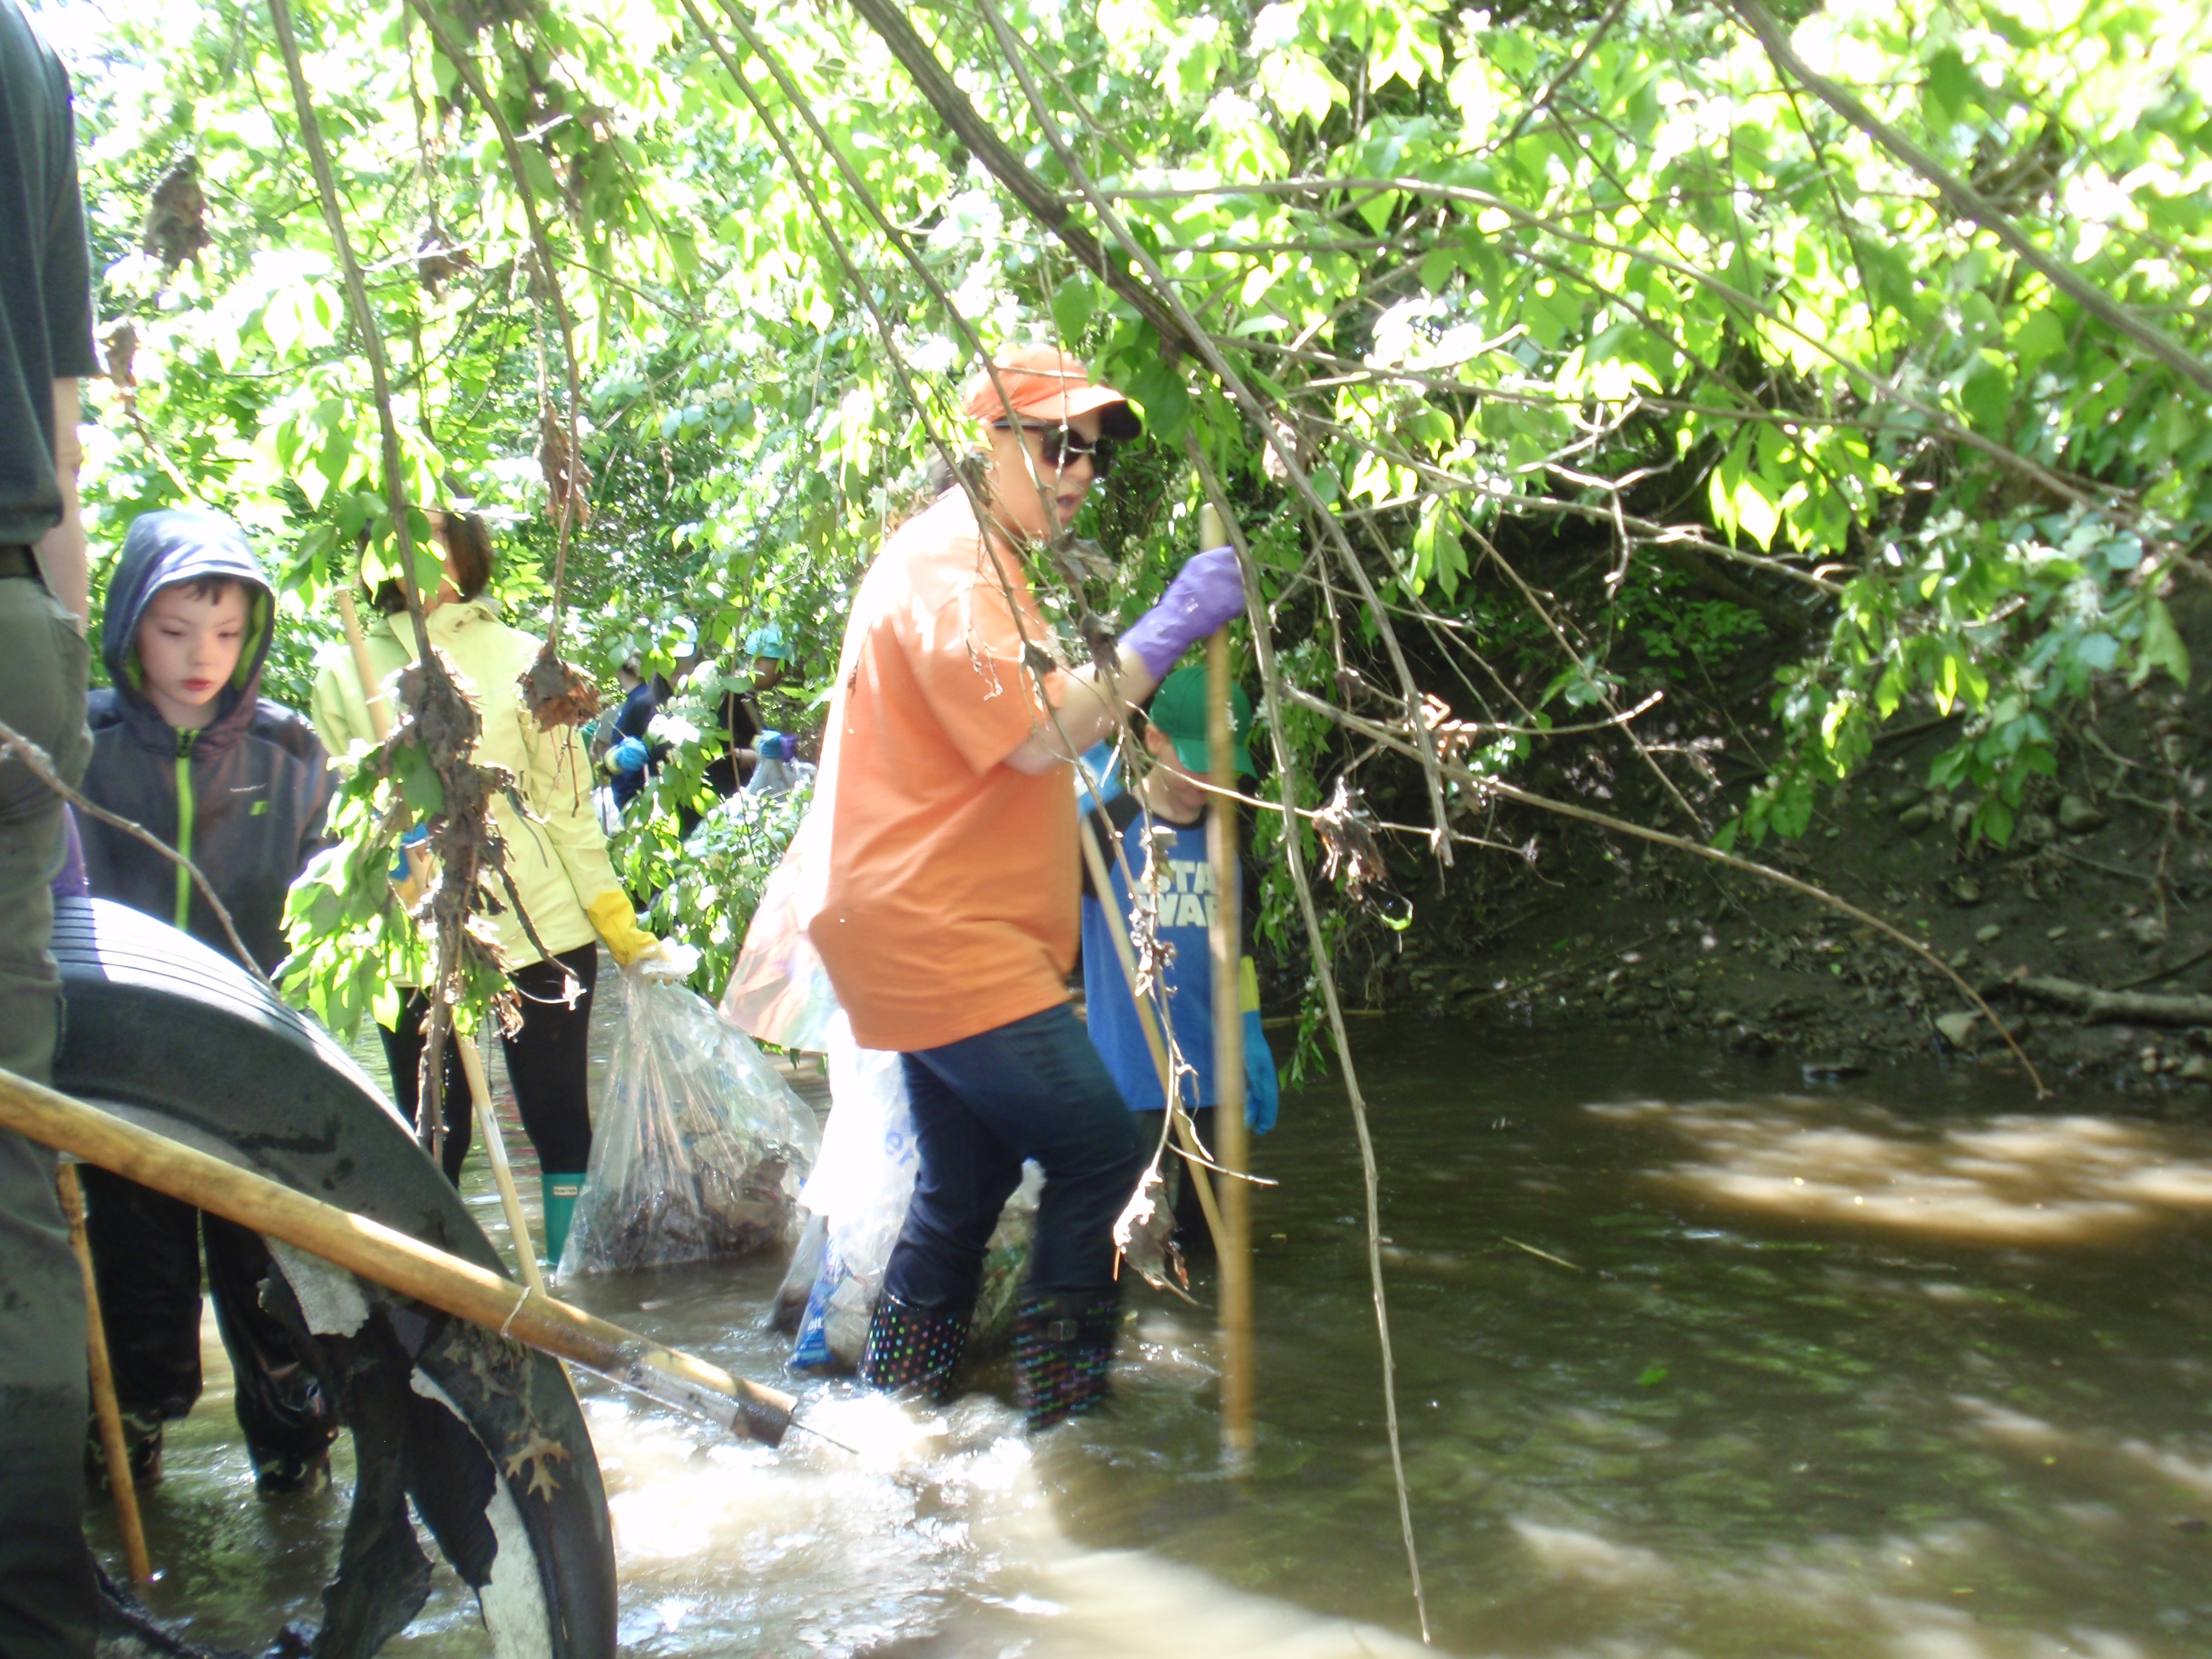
(243, 797)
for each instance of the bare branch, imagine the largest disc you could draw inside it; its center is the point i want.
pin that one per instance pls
(40, 765)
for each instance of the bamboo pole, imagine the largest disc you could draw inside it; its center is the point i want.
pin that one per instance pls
(518, 1224)
(390, 1258)
(107, 1410)
(1230, 1144)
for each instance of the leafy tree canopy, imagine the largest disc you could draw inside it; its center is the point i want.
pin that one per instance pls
(1548, 353)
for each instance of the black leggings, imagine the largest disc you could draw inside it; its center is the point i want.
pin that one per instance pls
(547, 1060)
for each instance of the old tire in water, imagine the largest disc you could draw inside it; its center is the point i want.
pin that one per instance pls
(483, 1435)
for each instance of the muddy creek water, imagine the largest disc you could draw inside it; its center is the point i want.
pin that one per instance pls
(1695, 1357)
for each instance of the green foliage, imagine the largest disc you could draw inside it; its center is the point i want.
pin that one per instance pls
(1527, 299)
(705, 886)
(354, 951)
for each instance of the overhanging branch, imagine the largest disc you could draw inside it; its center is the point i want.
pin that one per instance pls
(1969, 203)
(1039, 199)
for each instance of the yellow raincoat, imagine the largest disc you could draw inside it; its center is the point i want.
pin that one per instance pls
(558, 855)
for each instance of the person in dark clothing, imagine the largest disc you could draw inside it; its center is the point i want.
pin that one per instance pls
(236, 782)
(185, 744)
(635, 756)
(49, 1604)
(742, 720)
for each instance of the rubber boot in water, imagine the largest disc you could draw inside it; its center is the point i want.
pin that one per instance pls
(910, 1347)
(561, 1192)
(1063, 1348)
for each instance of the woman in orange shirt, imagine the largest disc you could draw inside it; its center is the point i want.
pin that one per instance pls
(949, 918)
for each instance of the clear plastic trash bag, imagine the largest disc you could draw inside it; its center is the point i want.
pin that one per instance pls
(861, 1187)
(701, 1148)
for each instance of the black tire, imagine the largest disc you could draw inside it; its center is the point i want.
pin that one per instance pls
(173, 1036)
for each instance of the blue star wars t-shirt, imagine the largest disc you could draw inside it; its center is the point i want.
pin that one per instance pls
(1183, 889)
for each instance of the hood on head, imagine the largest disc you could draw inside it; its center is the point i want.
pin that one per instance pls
(183, 546)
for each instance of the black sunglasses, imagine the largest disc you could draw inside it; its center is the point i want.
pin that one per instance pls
(1059, 444)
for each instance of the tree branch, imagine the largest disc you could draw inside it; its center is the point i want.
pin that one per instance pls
(40, 765)
(1968, 202)
(1042, 202)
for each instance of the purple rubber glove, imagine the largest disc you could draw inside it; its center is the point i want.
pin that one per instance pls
(1206, 593)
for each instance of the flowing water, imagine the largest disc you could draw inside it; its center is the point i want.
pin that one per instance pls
(1695, 1359)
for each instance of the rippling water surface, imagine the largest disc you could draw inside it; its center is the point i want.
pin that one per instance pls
(1694, 1359)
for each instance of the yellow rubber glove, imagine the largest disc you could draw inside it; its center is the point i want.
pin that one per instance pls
(616, 922)
(1248, 987)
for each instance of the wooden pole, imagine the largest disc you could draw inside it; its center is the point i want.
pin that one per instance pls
(525, 1250)
(107, 1410)
(1230, 1144)
(391, 1259)
(518, 1224)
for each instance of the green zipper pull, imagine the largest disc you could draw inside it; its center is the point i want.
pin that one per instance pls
(185, 740)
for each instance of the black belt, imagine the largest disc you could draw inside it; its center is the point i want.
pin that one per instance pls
(19, 562)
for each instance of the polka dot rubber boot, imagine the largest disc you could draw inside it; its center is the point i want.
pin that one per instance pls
(909, 1348)
(1063, 1348)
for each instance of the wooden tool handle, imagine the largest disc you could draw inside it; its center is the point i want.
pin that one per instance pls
(106, 1409)
(1225, 935)
(376, 1252)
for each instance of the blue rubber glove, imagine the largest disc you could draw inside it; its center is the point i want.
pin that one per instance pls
(1261, 1094)
(1206, 593)
(417, 836)
(627, 756)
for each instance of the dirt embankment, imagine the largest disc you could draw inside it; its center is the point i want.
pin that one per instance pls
(2105, 888)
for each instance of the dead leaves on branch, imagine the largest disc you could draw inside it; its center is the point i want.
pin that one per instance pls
(176, 217)
(557, 694)
(567, 480)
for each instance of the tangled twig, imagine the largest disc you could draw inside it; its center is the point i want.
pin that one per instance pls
(40, 765)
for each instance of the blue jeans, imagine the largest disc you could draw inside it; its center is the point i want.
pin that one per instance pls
(1034, 1088)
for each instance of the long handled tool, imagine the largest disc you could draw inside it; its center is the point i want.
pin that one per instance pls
(1231, 1144)
(518, 1224)
(392, 1259)
(107, 1410)
(494, 1141)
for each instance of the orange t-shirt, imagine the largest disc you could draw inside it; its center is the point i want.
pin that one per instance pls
(951, 902)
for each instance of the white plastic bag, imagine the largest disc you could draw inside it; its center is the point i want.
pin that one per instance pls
(861, 1185)
(701, 1146)
(864, 1177)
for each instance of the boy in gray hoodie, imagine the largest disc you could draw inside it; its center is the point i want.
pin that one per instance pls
(185, 744)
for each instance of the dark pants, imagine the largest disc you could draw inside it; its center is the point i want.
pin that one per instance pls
(1032, 1089)
(146, 1249)
(1191, 1234)
(547, 1060)
(47, 1602)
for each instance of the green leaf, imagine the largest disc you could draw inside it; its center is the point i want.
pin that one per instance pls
(2039, 336)
(1073, 303)
(2161, 646)
(1950, 86)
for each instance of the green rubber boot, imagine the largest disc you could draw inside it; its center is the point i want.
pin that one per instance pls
(561, 1193)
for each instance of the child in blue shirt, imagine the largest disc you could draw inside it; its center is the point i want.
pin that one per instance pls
(1174, 731)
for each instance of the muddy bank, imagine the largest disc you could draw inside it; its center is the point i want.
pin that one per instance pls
(2103, 888)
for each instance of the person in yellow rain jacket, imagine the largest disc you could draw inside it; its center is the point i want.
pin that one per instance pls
(557, 855)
